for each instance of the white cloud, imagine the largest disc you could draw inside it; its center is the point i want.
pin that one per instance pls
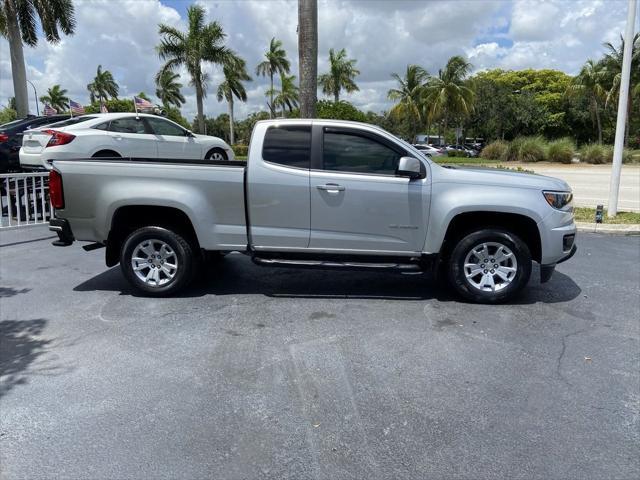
(384, 36)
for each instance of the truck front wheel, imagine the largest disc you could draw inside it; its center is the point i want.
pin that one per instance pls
(489, 266)
(157, 261)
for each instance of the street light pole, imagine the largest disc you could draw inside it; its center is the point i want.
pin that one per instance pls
(623, 98)
(36, 95)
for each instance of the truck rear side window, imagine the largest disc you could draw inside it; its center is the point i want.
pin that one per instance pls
(288, 145)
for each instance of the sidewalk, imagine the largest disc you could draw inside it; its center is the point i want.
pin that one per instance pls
(611, 228)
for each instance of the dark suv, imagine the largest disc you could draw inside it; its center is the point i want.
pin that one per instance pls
(11, 139)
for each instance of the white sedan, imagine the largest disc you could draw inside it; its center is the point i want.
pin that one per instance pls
(118, 135)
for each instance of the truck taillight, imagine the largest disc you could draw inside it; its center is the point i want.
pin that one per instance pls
(58, 138)
(55, 190)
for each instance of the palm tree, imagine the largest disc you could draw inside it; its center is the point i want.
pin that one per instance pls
(308, 56)
(341, 73)
(590, 83)
(409, 95)
(276, 62)
(168, 89)
(103, 86)
(613, 65)
(289, 94)
(234, 74)
(18, 25)
(56, 98)
(200, 43)
(448, 95)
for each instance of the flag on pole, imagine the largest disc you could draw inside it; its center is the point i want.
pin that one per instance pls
(103, 108)
(142, 104)
(76, 107)
(49, 110)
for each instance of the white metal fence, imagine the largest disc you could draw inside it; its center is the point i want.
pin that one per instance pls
(24, 199)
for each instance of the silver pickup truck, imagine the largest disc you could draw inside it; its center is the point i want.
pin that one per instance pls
(317, 193)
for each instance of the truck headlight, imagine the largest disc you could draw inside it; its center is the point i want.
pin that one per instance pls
(560, 200)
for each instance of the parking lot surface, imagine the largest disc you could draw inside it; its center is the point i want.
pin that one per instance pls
(278, 373)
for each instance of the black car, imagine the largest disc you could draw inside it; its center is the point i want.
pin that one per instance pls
(11, 139)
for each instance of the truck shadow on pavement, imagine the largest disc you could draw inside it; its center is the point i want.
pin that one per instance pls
(237, 275)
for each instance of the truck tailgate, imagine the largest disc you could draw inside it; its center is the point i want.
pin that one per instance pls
(210, 194)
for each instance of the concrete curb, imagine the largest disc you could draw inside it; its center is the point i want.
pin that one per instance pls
(613, 229)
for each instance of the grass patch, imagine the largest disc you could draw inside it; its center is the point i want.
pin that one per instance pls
(464, 161)
(585, 214)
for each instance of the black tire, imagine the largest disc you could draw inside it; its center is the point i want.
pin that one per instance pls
(183, 250)
(217, 151)
(106, 154)
(465, 287)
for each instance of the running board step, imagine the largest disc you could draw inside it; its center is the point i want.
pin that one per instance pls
(327, 264)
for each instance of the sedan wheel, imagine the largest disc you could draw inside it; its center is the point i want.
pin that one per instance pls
(217, 155)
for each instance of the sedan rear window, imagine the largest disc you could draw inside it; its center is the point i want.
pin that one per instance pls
(73, 121)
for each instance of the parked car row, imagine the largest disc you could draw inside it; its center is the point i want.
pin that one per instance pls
(467, 150)
(34, 142)
(11, 134)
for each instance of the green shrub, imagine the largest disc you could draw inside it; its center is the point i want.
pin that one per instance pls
(533, 149)
(495, 150)
(593, 153)
(456, 153)
(240, 150)
(512, 152)
(561, 150)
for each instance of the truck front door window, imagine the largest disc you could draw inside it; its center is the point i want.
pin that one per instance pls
(345, 152)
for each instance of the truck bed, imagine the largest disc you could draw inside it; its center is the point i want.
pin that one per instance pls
(210, 193)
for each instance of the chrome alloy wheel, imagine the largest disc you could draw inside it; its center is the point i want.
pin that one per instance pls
(217, 157)
(154, 262)
(490, 266)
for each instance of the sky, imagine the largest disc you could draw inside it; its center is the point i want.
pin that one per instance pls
(383, 35)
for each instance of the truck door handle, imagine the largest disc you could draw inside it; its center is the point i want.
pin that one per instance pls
(330, 187)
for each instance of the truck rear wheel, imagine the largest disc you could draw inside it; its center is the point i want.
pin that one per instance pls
(489, 266)
(157, 261)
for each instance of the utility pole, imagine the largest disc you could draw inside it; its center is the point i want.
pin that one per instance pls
(623, 98)
(36, 95)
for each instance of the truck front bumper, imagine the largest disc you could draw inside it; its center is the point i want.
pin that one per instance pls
(547, 270)
(558, 236)
(62, 228)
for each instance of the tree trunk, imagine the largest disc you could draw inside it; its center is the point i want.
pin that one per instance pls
(199, 107)
(18, 70)
(271, 109)
(444, 128)
(308, 56)
(336, 96)
(231, 135)
(598, 122)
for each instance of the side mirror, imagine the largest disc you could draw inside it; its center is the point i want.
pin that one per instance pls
(409, 167)
(188, 133)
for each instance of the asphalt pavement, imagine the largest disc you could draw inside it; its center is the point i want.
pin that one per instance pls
(298, 374)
